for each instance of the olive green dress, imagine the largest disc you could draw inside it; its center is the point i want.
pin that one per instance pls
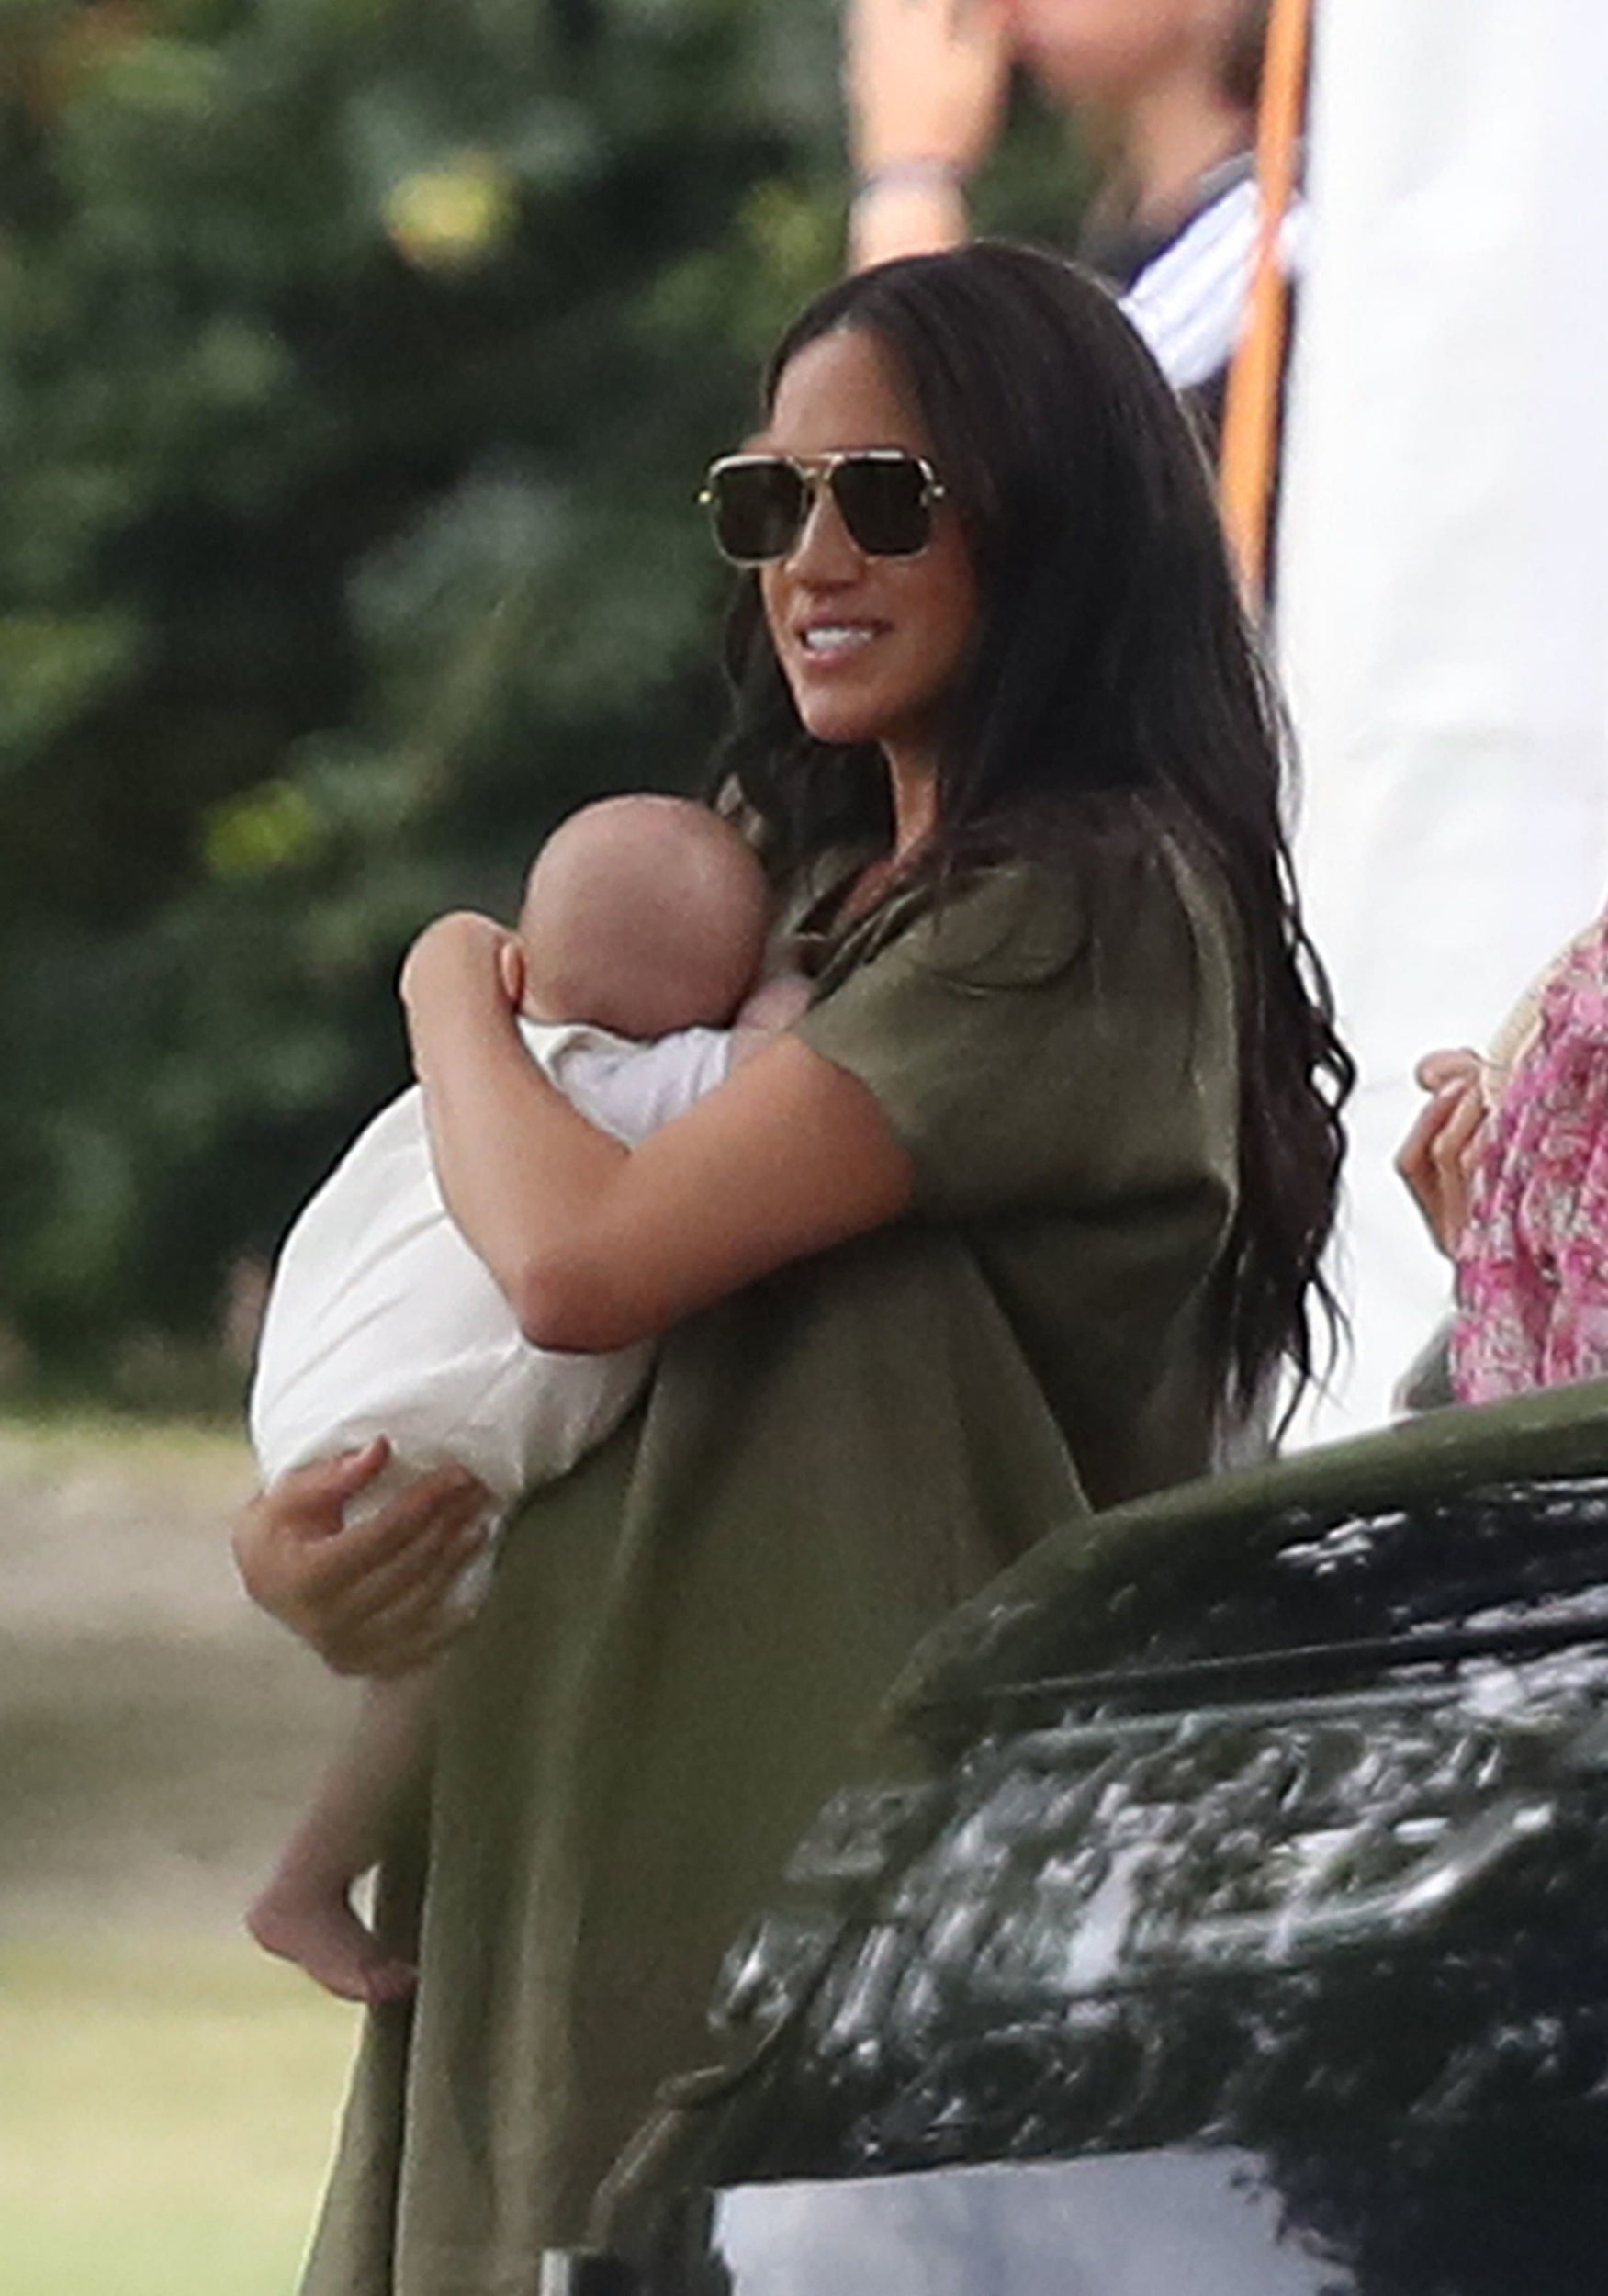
(688, 1633)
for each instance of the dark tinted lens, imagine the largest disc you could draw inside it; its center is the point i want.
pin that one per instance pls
(883, 503)
(757, 508)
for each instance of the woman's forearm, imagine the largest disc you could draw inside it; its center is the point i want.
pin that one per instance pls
(595, 1246)
(526, 1178)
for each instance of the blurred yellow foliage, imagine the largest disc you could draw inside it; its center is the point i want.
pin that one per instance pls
(272, 827)
(453, 217)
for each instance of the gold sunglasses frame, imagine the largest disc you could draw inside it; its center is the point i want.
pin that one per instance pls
(815, 473)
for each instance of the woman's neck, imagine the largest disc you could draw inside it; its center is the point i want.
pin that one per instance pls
(913, 787)
(1172, 136)
(913, 784)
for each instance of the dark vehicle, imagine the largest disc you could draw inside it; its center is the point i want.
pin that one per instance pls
(1224, 1914)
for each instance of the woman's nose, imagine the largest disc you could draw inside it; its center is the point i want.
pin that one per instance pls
(825, 550)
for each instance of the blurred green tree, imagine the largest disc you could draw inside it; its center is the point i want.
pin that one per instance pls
(358, 362)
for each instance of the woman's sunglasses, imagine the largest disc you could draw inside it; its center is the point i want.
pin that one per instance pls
(758, 503)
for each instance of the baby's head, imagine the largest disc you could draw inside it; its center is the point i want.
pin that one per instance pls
(642, 915)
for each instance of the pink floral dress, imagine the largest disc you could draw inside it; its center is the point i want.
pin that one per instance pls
(1532, 1261)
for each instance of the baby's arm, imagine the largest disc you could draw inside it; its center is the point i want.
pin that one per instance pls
(775, 1005)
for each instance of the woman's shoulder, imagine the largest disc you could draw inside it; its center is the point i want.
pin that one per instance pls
(1025, 916)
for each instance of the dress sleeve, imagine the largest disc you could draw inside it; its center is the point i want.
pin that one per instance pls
(1026, 1050)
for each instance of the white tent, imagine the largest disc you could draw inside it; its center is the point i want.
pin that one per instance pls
(1444, 565)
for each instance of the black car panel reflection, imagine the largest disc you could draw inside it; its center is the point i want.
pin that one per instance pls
(1234, 1871)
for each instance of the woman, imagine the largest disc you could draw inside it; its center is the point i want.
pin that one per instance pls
(1509, 1165)
(1034, 1195)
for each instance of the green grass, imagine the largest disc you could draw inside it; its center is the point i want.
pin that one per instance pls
(49, 1432)
(166, 2111)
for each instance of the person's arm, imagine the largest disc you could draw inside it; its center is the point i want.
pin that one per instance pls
(593, 1244)
(925, 86)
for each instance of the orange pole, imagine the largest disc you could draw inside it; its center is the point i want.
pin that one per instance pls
(1249, 462)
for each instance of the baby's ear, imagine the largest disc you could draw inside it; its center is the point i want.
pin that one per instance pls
(511, 966)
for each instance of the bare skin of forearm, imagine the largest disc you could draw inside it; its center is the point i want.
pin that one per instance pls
(593, 1244)
(486, 1101)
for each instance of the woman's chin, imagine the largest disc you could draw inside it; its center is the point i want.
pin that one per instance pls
(843, 728)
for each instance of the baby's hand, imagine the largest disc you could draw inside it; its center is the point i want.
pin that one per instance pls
(765, 1012)
(775, 1003)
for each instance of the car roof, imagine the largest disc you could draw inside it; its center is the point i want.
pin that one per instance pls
(1085, 1595)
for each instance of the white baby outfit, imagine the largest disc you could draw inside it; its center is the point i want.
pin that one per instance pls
(383, 1321)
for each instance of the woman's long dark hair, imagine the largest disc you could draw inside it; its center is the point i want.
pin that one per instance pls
(1116, 694)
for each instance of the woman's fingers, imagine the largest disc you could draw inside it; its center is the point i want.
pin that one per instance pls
(398, 1610)
(280, 1535)
(439, 1542)
(1438, 1156)
(1453, 1065)
(404, 1534)
(314, 1496)
(369, 1596)
(419, 1618)
(1416, 1162)
(1456, 1152)
(510, 969)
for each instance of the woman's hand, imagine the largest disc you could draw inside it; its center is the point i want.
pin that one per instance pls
(372, 1598)
(460, 955)
(462, 967)
(924, 80)
(1438, 1157)
(925, 84)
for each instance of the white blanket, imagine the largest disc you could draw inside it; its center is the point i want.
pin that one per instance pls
(382, 1320)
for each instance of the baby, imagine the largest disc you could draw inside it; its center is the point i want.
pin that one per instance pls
(641, 938)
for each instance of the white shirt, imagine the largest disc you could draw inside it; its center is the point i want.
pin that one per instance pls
(1190, 303)
(382, 1320)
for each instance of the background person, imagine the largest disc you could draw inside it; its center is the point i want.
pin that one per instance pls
(1166, 92)
(1030, 1199)
(1508, 1161)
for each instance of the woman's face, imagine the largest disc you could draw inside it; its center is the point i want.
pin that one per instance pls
(871, 647)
